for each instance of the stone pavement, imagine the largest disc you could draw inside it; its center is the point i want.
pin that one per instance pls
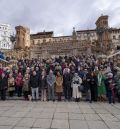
(58, 115)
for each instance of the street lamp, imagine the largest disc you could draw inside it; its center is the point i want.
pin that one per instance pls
(12, 39)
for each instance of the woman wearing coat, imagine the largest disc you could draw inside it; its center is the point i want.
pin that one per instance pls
(11, 85)
(19, 84)
(76, 82)
(93, 87)
(101, 86)
(59, 85)
(26, 88)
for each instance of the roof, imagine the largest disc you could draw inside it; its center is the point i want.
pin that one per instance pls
(86, 30)
(101, 17)
(62, 37)
(115, 29)
(42, 33)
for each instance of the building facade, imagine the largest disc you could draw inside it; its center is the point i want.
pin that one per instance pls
(45, 44)
(6, 32)
(100, 40)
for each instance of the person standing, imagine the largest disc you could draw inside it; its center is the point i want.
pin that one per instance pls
(59, 85)
(93, 87)
(43, 85)
(26, 88)
(101, 86)
(86, 84)
(34, 86)
(3, 86)
(1, 70)
(51, 82)
(19, 84)
(67, 80)
(76, 83)
(117, 85)
(11, 85)
(110, 86)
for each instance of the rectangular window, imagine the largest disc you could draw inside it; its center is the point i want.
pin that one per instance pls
(114, 37)
(119, 37)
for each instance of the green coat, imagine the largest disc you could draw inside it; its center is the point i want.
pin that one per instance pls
(101, 85)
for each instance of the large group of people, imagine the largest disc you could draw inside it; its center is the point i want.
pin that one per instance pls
(62, 79)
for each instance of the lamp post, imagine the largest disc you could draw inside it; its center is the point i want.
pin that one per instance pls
(12, 39)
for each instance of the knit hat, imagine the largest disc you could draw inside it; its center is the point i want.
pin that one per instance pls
(110, 75)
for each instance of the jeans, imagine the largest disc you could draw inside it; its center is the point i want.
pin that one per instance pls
(51, 94)
(43, 94)
(88, 95)
(35, 93)
(111, 96)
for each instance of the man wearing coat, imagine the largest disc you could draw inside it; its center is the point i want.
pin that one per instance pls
(34, 86)
(67, 80)
(51, 82)
(3, 86)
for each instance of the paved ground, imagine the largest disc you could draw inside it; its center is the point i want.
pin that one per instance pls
(58, 115)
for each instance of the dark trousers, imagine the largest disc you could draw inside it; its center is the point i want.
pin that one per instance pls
(111, 96)
(67, 92)
(3, 94)
(26, 93)
(94, 92)
(11, 93)
(59, 96)
(19, 91)
(119, 98)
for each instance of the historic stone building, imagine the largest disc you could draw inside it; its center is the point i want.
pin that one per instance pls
(100, 40)
(22, 37)
(44, 44)
(6, 32)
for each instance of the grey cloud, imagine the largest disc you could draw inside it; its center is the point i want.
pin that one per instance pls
(58, 15)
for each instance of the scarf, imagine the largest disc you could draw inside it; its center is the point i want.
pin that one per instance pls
(99, 79)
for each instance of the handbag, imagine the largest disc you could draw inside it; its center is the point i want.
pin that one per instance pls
(81, 88)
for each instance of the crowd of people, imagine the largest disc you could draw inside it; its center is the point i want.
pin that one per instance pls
(62, 78)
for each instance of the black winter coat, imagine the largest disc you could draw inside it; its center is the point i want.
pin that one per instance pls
(3, 83)
(34, 81)
(67, 79)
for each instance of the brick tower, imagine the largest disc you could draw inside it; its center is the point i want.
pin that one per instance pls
(103, 32)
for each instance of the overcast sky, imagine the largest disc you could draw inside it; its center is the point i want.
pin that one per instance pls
(58, 15)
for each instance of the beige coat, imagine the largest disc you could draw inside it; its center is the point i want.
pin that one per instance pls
(11, 84)
(25, 84)
(59, 84)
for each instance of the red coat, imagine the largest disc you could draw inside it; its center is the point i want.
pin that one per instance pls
(19, 81)
(1, 71)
